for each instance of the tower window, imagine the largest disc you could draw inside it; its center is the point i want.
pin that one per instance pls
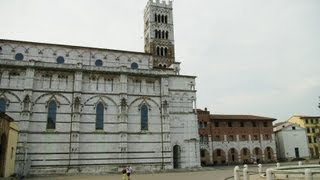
(165, 51)
(161, 51)
(163, 34)
(162, 18)
(166, 19)
(158, 51)
(155, 17)
(156, 33)
(159, 17)
(167, 35)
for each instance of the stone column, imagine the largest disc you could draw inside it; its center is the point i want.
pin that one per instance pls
(123, 119)
(75, 118)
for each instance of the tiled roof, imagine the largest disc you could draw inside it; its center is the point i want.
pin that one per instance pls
(239, 117)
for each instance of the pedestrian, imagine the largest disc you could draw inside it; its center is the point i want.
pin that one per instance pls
(129, 171)
(124, 173)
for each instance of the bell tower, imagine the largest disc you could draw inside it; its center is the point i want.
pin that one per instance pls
(158, 33)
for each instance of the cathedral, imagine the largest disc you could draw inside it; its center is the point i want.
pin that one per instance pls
(95, 110)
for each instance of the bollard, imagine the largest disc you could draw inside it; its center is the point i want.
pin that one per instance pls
(259, 169)
(269, 174)
(245, 174)
(300, 163)
(236, 173)
(307, 174)
(278, 165)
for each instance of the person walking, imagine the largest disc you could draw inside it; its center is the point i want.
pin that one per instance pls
(124, 173)
(129, 171)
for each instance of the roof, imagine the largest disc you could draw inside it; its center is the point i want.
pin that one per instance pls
(6, 117)
(279, 126)
(73, 46)
(240, 117)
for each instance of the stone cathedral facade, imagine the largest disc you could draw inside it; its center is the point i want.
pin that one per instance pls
(91, 110)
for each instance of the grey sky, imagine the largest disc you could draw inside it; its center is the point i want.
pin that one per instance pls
(259, 57)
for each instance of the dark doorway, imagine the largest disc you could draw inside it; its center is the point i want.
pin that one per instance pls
(3, 147)
(296, 150)
(176, 156)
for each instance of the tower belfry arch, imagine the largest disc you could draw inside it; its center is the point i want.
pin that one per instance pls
(159, 33)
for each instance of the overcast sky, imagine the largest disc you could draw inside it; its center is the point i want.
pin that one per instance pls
(259, 57)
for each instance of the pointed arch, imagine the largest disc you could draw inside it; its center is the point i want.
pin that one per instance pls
(167, 35)
(163, 35)
(162, 18)
(166, 19)
(161, 52)
(155, 17)
(158, 51)
(159, 17)
(165, 51)
(156, 33)
(52, 114)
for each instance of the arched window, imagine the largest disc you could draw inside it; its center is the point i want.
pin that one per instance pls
(158, 51)
(159, 34)
(166, 19)
(155, 17)
(165, 51)
(156, 33)
(161, 51)
(162, 34)
(52, 113)
(162, 18)
(2, 105)
(159, 17)
(144, 117)
(167, 34)
(99, 116)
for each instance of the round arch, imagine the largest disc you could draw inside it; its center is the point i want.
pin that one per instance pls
(233, 156)
(219, 156)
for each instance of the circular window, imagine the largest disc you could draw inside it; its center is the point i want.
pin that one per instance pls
(98, 62)
(134, 66)
(19, 57)
(60, 60)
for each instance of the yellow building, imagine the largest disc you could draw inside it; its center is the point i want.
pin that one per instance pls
(312, 125)
(8, 145)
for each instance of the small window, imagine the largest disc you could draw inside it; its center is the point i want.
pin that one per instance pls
(254, 124)
(229, 124)
(19, 57)
(60, 60)
(241, 124)
(293, 128)
(216, 124)
(134, 66)
(99, 62)
(265, 124)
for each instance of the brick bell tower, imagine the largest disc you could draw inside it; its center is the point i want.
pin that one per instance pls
(158, 33)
